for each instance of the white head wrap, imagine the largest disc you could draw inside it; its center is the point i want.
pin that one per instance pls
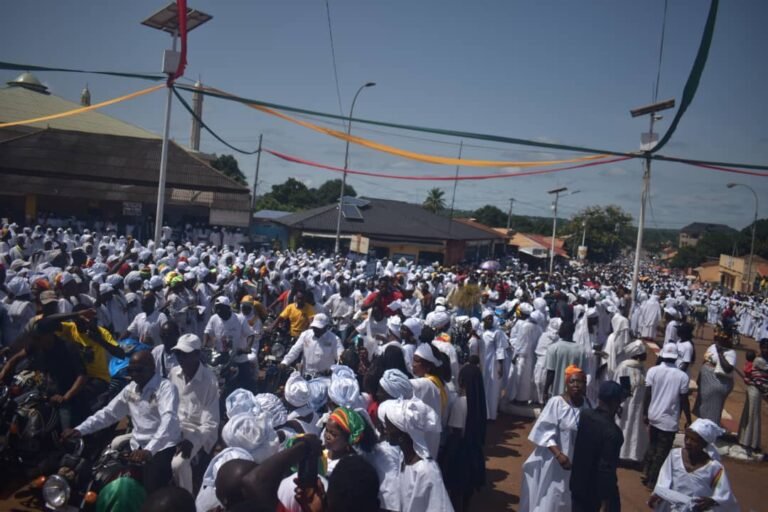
(344, 390)
(396, 384)
(206, 498)
(425, 352)
(296, 390)
(413, 417)
(240, 401)
(318, 392)
(253, 433)
(709, 432)
(273, 408)
(414, 325)
(438, 319)
(634, 349)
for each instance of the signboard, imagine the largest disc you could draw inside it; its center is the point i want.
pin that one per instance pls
(370, 269)
(582, 252)
(359, 244)
(131, 209)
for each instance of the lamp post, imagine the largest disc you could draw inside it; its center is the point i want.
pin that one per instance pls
(167, 20)
(336, 246)
(557, 192)
(754, 226)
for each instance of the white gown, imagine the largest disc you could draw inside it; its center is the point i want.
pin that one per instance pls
(631, 421)
(707, 481)
(545, 483)
(616, 342)
(422, 488)
(522, 384)
(649, 316)
(492, 347)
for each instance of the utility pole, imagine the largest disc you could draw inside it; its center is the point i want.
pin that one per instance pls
(648, 144)
(455, 184)
(509, 214)
(256, 176)
(557, 192)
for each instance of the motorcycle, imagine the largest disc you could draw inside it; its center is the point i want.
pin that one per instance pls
(29, 425)
(77, 483)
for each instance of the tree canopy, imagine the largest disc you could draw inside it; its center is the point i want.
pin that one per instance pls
(228, 166)
(491, 216)
(608, 231)
(293, 195)
(435, 201)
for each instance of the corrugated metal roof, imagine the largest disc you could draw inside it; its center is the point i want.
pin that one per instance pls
(112, 159)
(270, 214)
(19, 104)
(387, 218)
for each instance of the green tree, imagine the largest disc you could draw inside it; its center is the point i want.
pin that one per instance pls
(435, 200)
(294, 194)
(686, 257)
(608, 231)
(490, 216)
(228, 166)
(328, 192)
(715, 243)
(761, 239)
(267, 202)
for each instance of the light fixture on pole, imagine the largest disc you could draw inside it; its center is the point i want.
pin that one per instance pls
(557, 193)
(167, 20)
(648, 142)
(754, 226)
(336, 246)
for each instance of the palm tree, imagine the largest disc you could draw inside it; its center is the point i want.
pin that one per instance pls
(434, 201)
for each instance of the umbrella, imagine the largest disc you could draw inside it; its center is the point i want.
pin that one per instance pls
(490, 265)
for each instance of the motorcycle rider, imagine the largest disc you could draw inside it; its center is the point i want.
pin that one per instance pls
(297, 314)
(319, 346)
(198, 409)
(163, 354)
(227, 331)
(151, 402)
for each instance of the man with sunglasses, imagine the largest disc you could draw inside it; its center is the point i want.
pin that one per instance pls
(152, 403)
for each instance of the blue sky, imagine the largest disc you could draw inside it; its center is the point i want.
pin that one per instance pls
(561, 71)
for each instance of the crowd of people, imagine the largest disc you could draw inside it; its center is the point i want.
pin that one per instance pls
(392, 373)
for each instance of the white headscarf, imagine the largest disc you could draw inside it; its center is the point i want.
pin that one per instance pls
(709, 432)
(240, 401)
(296, 390)
(206, 498)
(253, 433)
(273, 408)
(413, 417)
(396, 384)
(425, 352)
(344, 390)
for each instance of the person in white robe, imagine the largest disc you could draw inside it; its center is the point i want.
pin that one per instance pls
(616, 342)
(421, 484)
(634, 318)
(493, 345)
(546, 472)
(691, 478)
(648, 318)
(631, 420)
(525, 359)
(546, 339)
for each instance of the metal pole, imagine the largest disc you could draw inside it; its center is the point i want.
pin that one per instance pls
(256, 175)
(455, 184)
(163, 162)
(641, 221)
(509, 214)
(752, 247)
(336, 246)
(554, 231)
(584, 234)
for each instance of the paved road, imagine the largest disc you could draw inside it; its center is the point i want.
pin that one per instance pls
(508, 447)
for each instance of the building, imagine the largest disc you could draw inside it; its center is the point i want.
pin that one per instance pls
(266, 231)
(534, 249)
(691, 234)
(390, 229)
(93, 166)
(708, 272)
(733, 272)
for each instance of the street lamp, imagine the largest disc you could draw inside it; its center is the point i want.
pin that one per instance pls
(346, 166)
(167, 20)
(754, 226)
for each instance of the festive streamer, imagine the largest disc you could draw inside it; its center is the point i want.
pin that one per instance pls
(31, 67)
(692, 84)
(723, 169)
(310, 163)
(181, 8)
(83, 110)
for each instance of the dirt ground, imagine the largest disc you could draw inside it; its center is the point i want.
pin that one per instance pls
(508, 447)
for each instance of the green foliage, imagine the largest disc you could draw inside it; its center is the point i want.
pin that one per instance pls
(761, 239)
(293, 195)
(228, 166)
(686, 257)
(608, 231)
(490, 216)
(435, 201)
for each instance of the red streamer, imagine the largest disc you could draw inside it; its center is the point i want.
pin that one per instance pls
(181, 6)
(302, 161)
(725, 169)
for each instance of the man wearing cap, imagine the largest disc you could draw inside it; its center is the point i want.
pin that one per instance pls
(151, 402)
(666, 395)
(319, 346)
(594, 483)
(198, 408)
(227, 331)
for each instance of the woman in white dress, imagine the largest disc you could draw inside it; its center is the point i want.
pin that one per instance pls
(691, 479)
(546, 472)
(631, 420)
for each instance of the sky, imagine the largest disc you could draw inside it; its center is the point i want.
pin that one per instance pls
(554, 71)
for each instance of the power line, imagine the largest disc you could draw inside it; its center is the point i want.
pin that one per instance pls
(333, 57)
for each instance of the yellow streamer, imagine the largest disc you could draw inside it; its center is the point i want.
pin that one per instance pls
(431, 159)
(83, 110)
